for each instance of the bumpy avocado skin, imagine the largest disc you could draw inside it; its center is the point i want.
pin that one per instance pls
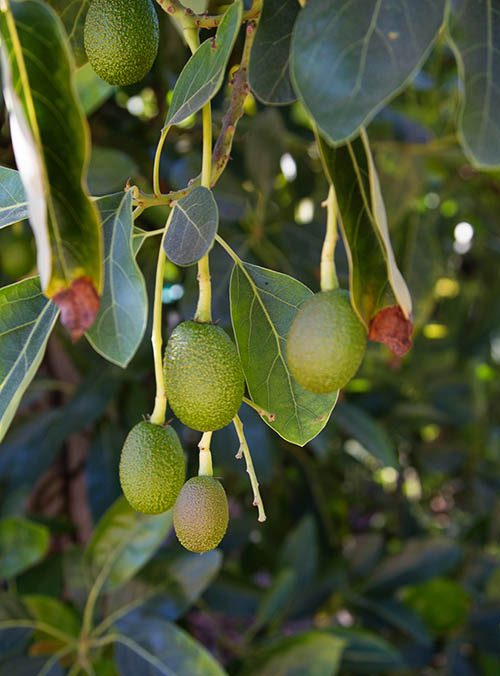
(152, 468)
(121, 39)
(201, 514)
(326, 342)
(203, 376)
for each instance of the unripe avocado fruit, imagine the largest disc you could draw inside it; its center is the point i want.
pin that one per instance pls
(201, 514)
(121, 39)
(326, 342)
(152, 468)
(203, 376)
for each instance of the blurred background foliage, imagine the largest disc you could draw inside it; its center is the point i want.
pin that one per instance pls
(382, 531)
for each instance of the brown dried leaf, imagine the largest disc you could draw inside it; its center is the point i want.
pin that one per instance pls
(391, 327)
(79, 305)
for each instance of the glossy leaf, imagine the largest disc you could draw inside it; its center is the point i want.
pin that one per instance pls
(313, 653)
(193, 227)
(13, 204)
(372, 264)
(420, 559)
(269, 72)
(156, 647)
(263, 305)
(349, 57)
(202, 76)
(121, 321)
(54, 612)
(475, 34)
(22, 544)
(27, 318)
(125, 540)
(45, 114)
(367, 653)
(72, 14)
(370, 434)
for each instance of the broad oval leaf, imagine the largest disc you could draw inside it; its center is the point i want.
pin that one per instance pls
(22, 544)
(313, 653)
(269, 73)
(123, 541)
(263, 305)
(27, 318)
(73, 14)
(157, 647)
(193, 227)
(51, 142)
(475, 37)
(119, 326)
(349, 57)
(54, 612)
(13, 203)
(203, 74)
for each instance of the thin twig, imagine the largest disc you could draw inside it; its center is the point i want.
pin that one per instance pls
(257, 500)
(261, 411)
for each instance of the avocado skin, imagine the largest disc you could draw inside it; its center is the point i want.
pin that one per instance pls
(326, 342)
(121, 39)
(152, 468)
(201, 514)
(203, 376)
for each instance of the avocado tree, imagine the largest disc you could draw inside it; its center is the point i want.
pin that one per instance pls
(199, 239)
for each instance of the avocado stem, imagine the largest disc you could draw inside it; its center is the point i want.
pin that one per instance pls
(257, 500)
(206, 468)
(329, 280)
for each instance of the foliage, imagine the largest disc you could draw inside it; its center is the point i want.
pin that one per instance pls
(380, 550)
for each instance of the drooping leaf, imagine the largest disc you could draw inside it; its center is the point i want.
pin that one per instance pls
(269, 73)
(263, 305)
(193, 227)
(372, 436)
(420, 559)
(125, 540)
(374, 278)
(27, 318)
(121, 321)
(53, 612)
(367, 653)
(475, 37)
(73, 13)
(51, 142)
(13, 203)
(313, 653)
(202, 76)
(92, 91)
(22, 544)
(349, 57)
(158, 647)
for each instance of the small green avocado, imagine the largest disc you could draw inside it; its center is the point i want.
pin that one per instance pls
(326, 342)
(201, 514)
(203, 376)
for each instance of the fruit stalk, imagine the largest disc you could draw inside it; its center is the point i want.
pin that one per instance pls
(257, 500)
(204, 308)
(206, 468)
(329, 280)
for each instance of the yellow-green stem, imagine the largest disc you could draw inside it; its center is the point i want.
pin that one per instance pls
(257, 500)
(329, 278)
(205, 455)
(156, 166)
(158, 415)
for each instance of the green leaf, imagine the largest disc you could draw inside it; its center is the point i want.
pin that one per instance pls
(125, 540)
(22, 544)
(27, 318)
(371, 435)
(92, 91)
(193, 227)
(109, 170)
(367, 653)
(73, 13)
(398, 615)
(300, 550)
(372, 266)
(121, 321)
(269, 73)
(276, 599)
(349, 57)
(53, 612)
(202, 76)
(475, 37)
(313, 653)
(263, 305)
(155, 646)
(420, 559)
(13, 204)
(51, 143)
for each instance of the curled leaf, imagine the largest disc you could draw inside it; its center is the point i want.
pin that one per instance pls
(391, 327)
(79, 305)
